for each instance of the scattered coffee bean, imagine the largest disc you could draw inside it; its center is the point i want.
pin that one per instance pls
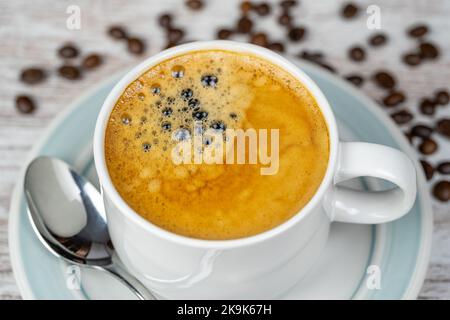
(288, 4)
(402, 116)
(349, 11)
(135, 46)
(285, 20)
(33, 75)
(165, 20)
(357, 54)
(412, 59)
(428, 169)
(296, 33)
(69, 72)
(444, 167)
(428, 146)
(91, 61)
(259, 39)
(244, 25)
(355, 79)
(441, 190)
(442, 97)
(421, 130)
(68, 51)
(117, 32)
(384, 79)
(246, 7)
(263, 9)
(417, 31)
(378, 39)
(224, 34)
(194, 4)
(428, 51)
(25, 104)
(209, 80)
(427, 107)
(276, 46)
(174, 35)
(394, 98)
(311, 56)
(443, 127)
(326, 66)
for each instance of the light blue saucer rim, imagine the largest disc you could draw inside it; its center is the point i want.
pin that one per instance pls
(423, 253)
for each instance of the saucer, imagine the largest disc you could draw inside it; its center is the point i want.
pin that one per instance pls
(399, 250)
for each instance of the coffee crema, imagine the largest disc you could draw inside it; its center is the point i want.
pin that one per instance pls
(221, 90)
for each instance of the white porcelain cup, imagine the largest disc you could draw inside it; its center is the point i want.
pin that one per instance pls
(268, 264)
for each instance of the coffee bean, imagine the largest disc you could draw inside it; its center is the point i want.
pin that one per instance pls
(443, 127)
(91, 61)
(263, 9)
(194, 4)
(422, 131)
(441, 190)
(276, 46)
(444, 167)
(117, 32)
(25, 104)
(285, 20)
(355, 79)
(394, 98)
(349, 11)
(311, 56)
(428, 51)
(259, 39)
(412, 59)
(246, 7)
(165, 20)
(428, 169)
(326, 66)
(244, 25)
(224, 34)
(68, 51)
(378, 39)
(33, 75)
(357, 54)
(384, 79)
(417, 31)
(428, 146)
(402, 116)
(427, 107)
(442, 97)
(174, 35)
(288, 4)
(135, 46)
(69, 72)
(296, 33)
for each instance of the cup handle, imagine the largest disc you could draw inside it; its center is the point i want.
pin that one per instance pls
(360, 159)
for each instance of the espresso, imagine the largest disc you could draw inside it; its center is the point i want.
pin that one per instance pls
(224, 91)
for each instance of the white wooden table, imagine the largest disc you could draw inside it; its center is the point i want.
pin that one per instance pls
(31, 32)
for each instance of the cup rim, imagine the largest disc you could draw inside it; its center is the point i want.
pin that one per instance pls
(108, 188)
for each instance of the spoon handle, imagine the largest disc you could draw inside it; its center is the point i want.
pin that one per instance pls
(130, 281)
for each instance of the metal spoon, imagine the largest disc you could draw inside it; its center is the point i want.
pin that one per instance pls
(67, 214)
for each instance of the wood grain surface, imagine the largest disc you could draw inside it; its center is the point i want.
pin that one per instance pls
(32, 31)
